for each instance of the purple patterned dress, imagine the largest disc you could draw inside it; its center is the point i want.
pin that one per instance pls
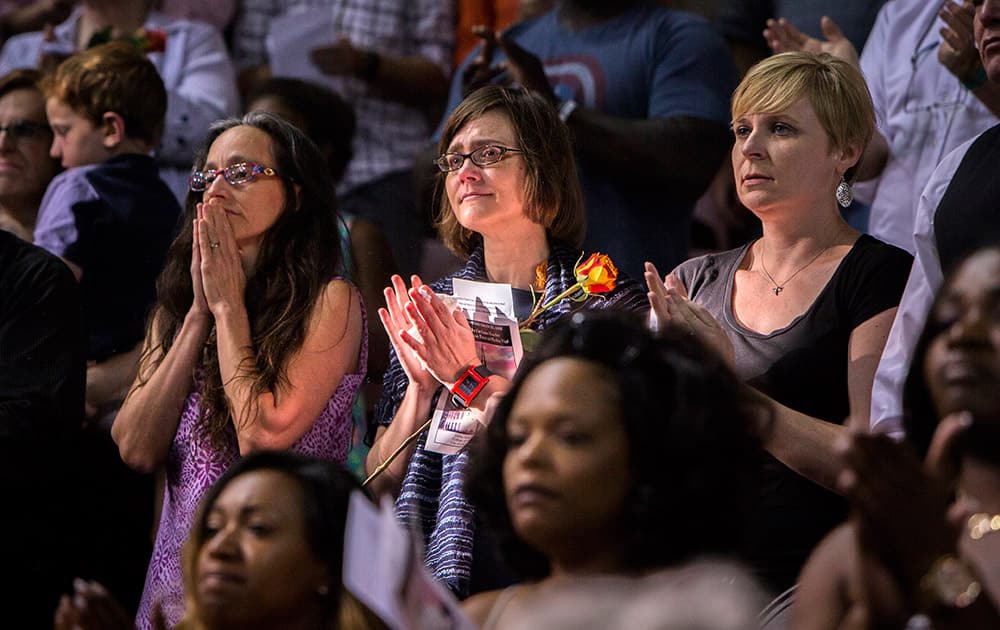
(193, 465)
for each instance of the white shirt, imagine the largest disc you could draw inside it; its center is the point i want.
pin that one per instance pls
(925, 279)
(922, 110)
(196, 71)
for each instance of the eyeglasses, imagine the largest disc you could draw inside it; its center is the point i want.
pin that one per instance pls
(483, 156)
(242, 173)
(25, 130)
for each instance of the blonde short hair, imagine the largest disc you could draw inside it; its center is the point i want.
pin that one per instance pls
(836, 89)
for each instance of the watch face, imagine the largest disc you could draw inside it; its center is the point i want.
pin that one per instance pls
(467, 385)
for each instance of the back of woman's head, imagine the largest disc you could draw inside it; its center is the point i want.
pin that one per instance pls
(318, 111)
(325, 489)
(692, 432)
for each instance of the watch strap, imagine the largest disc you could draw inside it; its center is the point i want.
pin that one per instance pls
(469, 384)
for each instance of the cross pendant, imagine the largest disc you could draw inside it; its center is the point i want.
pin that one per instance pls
(778, 290)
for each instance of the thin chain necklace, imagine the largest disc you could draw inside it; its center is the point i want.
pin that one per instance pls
(780, 286)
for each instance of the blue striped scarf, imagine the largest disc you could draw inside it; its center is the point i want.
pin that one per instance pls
(432, 500)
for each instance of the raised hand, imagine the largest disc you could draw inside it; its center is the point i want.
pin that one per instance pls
(669, 303)
(525, 68)
(782, 36)
(222, 275)
(891, 489)
(445, 343)
(482, 71)
(396, 321)
(91, 607)
(957, 51)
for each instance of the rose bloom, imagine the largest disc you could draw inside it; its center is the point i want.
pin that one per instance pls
(597, 274)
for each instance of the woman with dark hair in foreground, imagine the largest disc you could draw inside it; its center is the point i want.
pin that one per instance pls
(611, 454)
(265, 552)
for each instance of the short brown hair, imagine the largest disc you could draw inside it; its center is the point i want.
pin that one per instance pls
(21, 79)
(113, 77)
(835, 88)
(552, 196)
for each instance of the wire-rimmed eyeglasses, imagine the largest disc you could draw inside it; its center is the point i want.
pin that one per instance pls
(483, 156)
(241, 173)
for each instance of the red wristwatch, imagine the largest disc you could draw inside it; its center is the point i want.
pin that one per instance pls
(468, 385)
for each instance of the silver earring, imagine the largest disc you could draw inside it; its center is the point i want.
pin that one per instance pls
(323, 590)
(844, 193)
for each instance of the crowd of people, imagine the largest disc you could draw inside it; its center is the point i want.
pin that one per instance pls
(745, 393)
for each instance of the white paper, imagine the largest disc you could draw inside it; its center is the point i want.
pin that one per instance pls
(291, 39)
(489, 307)
(384, 569)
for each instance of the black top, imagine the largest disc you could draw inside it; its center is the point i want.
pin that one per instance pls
(41, 409)
(802, 366)
(123, 236)
(966, 218)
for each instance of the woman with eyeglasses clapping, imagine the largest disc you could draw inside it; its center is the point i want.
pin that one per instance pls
(254, 342)
(511, 205)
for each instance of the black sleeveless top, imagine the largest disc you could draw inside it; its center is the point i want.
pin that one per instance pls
(968, 216)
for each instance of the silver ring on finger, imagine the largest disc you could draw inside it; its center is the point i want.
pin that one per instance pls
(214, 245)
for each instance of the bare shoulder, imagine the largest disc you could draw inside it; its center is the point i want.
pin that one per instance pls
(336, 316)
(478, 607)
(339, 300)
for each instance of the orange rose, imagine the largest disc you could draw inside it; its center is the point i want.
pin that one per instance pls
(597, 274)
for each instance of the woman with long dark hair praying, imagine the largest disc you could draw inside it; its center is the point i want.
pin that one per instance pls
(254, 342)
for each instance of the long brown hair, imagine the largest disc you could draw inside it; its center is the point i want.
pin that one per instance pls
(299, 255)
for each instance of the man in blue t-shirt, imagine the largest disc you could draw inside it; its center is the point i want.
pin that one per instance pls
(645, 92)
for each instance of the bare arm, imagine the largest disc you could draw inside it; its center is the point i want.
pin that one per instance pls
(684, 151)
(147, 421)
(277, 419)
(874, 158)
(108, 381)
(803, 443)
(413, 411)
(821, 602)
(806, 444)
(411, 80)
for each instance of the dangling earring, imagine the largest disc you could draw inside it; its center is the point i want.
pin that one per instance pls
(844, 193)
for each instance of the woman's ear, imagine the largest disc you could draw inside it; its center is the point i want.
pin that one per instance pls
(113, 130)
(848, 157)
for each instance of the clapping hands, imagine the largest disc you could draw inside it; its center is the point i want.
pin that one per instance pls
(958, 52)
(671, 308)
(782, 36)
(433, 342)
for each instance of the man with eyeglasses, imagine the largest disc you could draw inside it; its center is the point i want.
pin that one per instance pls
(957, 214)
(25, 165)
